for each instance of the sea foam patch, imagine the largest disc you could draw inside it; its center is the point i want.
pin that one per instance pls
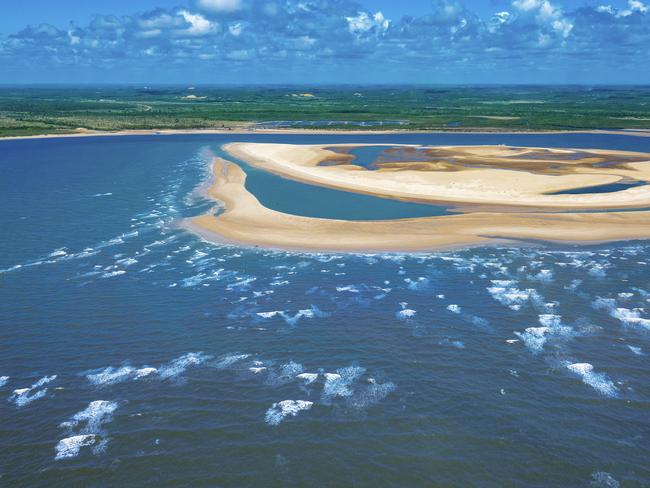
(340, 383)
(112, 375)
(601, 479)
(229, 360)
(279, 411)
(69, 447)
(504, 292)
(598, 381)
(293, 319)
(551, 328)
(627, 316)
(88, 424)
(25, 396)
(181, 364)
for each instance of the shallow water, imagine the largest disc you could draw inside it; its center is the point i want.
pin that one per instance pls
(135, 354)
(608, 188)
(298, 198)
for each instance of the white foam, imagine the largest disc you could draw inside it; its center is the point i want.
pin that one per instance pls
(550, 320)
(231, 359)
(573, 286)
(257, 369)
(110, 375)
(534, 338)
(348, 288)
(58, 253)
(407, 313)
(279, 411)
(602, 479)
(269, 315)
(340, 385)
(598, 270)
(71, 446)
(308, 313)
(545, 276)
(23, 396)
(279, 283)
(625, 315)
(453, 308)
(241, 284)
(89, 424)
(632, 317)
(143, 372)
(598, 381)
(636, 350)
(96, 414)
(371, 394)
(179, 365)
(127, 262)
(112, 274)
(512, 297)
(308, 378)
(421, 283)
(12, 268)
(291, 369)
(3, 380)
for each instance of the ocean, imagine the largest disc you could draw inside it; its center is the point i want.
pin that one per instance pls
(133, 353)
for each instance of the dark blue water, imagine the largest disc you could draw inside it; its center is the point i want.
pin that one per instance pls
(609, 188)
(134, 354)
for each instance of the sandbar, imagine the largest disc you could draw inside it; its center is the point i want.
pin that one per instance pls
(246, 222)
(465, 175)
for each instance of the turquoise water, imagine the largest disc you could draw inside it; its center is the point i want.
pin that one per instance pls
(135, 354)
(298, 198)
(365, 156)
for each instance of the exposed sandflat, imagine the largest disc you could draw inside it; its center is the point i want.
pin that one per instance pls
(245, 221)
(503, 176)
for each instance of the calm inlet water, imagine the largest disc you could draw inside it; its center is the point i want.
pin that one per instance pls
(135, 354)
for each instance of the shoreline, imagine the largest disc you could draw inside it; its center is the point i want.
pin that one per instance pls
(171, 132)
(246, 222)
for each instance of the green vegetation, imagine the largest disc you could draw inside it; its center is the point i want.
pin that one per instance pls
(46, 110)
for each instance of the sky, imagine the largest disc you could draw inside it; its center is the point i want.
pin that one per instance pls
(325, 41)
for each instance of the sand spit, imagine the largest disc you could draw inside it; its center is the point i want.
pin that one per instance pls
(246, 222)
(245, 129)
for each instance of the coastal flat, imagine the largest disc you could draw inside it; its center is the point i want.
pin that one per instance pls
(488, 175)
(245, 221)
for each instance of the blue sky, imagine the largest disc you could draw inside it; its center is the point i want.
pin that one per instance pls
(325, 41)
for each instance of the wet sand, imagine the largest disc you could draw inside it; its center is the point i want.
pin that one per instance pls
(246, 222)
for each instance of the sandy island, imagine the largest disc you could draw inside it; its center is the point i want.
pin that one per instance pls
(246, 222)
(483, 175)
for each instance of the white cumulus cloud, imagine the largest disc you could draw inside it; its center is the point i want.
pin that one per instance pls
(363, 22)
(199, 25)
